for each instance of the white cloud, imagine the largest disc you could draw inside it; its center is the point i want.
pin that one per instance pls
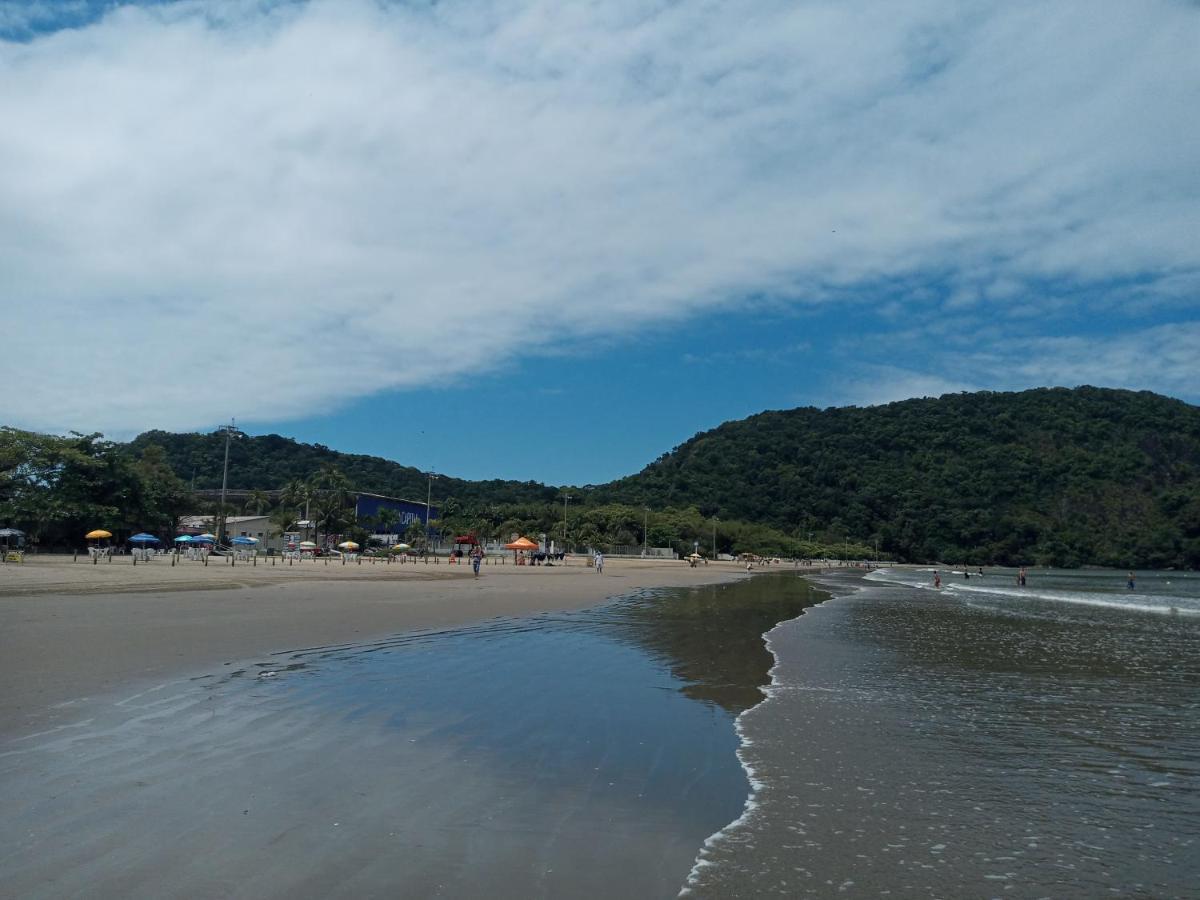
(1167, 356)
(368, 195)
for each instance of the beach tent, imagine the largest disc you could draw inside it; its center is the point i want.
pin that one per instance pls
(521, 543)
(11, 537)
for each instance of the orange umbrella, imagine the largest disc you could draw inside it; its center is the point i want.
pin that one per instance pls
(523, 543)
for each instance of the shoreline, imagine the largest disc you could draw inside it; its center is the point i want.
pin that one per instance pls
(692, 882)
(72, 633)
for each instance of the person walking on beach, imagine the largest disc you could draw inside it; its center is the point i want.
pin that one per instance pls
(476, 559)
(599, 561)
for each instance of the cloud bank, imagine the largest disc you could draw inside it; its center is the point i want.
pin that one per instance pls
(213, 198)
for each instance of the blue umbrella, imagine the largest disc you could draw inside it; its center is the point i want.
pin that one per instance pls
(241, 539)
(184, 539)
(143, 538)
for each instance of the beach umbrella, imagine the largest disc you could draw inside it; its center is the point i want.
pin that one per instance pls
(143, 538)
(399, 548)
(523, 543)
(205, 538)
(307, 545)
(184, 539)
(98, 534)
(242, 539)
(348, 545)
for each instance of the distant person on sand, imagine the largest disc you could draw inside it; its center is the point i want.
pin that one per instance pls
(1129, 583)
(476, 559)
(937, 579)
(599, 563)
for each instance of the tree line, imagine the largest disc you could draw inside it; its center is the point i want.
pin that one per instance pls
(1048, 476)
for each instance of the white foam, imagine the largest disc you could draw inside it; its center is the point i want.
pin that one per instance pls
(757, 785)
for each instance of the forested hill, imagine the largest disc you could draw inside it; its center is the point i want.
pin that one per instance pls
(268, 462)
(1083, 476)
(1071, 476)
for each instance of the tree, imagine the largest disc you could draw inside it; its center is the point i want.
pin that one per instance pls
(256, 500)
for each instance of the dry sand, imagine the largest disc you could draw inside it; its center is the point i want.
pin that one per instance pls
(71, 631)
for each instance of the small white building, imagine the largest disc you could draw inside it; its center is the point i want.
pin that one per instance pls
(236, 526)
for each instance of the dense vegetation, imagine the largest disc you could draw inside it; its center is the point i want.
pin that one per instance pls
(1069, 477)
(1049, 476)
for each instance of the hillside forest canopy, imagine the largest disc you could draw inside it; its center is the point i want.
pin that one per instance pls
(1052, 476)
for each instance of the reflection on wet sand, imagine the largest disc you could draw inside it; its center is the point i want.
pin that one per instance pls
(558, 755)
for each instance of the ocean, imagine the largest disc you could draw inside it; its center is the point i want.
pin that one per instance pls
(981, 740)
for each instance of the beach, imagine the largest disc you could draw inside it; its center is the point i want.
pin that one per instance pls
(71, 630)
(404, 734)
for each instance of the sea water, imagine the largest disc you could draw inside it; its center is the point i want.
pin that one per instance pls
(983, 739)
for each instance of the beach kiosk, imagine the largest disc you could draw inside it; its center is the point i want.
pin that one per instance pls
(519, 547)
(469, 541)
(12, 544)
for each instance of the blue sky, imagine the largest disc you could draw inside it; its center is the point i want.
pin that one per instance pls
(525, 239)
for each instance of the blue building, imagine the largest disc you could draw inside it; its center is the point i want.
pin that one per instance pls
(367, 506)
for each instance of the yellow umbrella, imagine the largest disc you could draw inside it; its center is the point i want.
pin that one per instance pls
(348, 545)
(97, 534)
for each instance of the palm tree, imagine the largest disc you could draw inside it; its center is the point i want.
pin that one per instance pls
(256, 500)
(283, 520)
(297, 495)
(387, 519)
(331, 491)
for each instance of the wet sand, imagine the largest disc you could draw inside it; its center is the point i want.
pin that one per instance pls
(71, 631)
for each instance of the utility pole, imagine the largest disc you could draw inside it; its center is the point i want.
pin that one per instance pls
(645, 526)
(715, 520)
(229, 430)
(566, 497)
(428, 498)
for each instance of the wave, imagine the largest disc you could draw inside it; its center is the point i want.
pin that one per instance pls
(1160, 604)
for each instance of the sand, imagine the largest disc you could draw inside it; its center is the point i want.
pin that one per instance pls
(71, 631)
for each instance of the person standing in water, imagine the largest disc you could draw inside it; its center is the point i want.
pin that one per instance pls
(1129, 583)
(937, 579)
(1021, 577)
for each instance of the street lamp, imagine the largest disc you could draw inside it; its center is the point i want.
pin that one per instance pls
(428, 497)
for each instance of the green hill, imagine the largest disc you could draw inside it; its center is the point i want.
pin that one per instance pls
(1083, 476)
(1054, 476)
(268, 462)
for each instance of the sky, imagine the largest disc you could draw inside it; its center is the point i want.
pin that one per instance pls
(552, 241)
